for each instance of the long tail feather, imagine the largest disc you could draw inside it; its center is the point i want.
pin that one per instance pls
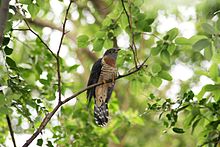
(101, 114)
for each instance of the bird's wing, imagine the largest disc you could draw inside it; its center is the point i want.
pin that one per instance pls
(109, 93)
(93, 78)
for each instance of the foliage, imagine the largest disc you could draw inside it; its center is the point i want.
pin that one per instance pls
(141, 107)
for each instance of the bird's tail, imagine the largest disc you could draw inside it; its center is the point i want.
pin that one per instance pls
(101, 114)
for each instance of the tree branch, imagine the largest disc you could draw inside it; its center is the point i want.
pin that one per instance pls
(132, 46)
(11, 130)
(42, 23)
(50, 115)
(29, 29)
(4, 5)
(58, 52)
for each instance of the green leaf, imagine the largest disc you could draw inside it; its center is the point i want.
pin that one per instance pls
(137, 120)
(208, 53)
(108, 43)
(26, 1)
(214, 71)
(165, 56)
(171, 48)
(156, 81)
(106, 22)
(189, 96)
(201, 44)
(8, 27)
(123, 21)
(182, 41)
(40, 142)
(156, 68)
(211, 87)
(150, 20)
(8, 50)
(99, 34)
(44, 82)
(5, 41)
(2, 99)
(115, 138)
(166, 37)
(11, 63)
(178, 130)
(155, 50)
(82, 41)
(73, 68)
(139, 2)
(147, 28)
(218, 24)
(208, 88)
(164, 46)
(110, 35)
(49, 144)
(195, 123)
(208, 28)
(217, 42)
(98, 44)
(215, 58)
(142, 24)
(213, 125)
(195, 112)
(165, 75)
(5, 110)
(196, 38)
(33, 9)
(172, 33)
(202, 72)
(10, 16)
(115, 12)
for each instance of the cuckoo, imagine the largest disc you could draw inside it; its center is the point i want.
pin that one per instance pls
(103, 70)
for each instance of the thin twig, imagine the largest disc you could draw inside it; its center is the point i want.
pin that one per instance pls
(29, 28)
(132, 46)
(50, 115)
(132, 33)
(11, 130)
(42, 23)
(58, 51)
(45, 23)
(145, 33)
(20, 29)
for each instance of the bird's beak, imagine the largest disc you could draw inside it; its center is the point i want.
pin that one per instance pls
(118, 49)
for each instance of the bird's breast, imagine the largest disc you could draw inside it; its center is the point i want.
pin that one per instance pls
(108, 71)
(109, 61)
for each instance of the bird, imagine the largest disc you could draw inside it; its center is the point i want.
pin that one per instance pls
(103, 70)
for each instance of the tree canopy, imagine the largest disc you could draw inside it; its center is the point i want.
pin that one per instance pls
(167, 90)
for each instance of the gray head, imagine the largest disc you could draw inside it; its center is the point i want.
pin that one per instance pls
(113, 52)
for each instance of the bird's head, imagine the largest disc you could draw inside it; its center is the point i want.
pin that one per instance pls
(113, 52)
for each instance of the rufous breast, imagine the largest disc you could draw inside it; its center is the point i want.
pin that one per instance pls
(110, 61)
